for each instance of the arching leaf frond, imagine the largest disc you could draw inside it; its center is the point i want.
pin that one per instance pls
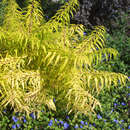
(90, 59)
(13, 17)
(15, 85)
(101, 79)
(94, 41)
(34, 15)
(79, 99)
(62, 17)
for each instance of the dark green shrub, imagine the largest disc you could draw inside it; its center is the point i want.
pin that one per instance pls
(121, 41)
(100, 12)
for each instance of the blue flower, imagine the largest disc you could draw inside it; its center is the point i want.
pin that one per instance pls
(81, 126)
(86, 123)
(123, 129)
(55, 120)
(129, 127)
(82, 122)
(54, 100)
(122, 120)
(51, 120)
(90, 125)
(76, 126)
(97, 48)
(18, 125)
(61, 122)
(99, 117)
(120, 125)
(123, 104)
(50, 123)
(85, 33)
(13, 126)
(128, 94)
(115, 104)
(128, 86)
(111, 111)
(94, 124)
(116, 121)
(66, 125)
(119, 81)
(67, 117)
(4, 110)
(104, 120)
(14, 119)
(47, 17)
(24, 119)
(32, 115)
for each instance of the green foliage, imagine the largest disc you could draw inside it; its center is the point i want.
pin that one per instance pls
(120, 40)
(50, 7)
(44, 60)
(114, 115)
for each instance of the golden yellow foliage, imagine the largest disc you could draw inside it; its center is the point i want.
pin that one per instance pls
(44, 60)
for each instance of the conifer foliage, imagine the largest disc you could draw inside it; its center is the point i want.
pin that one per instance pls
(40, 60)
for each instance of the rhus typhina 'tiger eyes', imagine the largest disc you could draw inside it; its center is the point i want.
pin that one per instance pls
(43, 60)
